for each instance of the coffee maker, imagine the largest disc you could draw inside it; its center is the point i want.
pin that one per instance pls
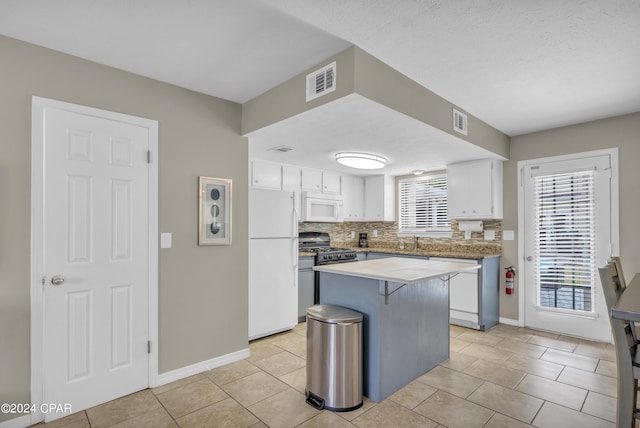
(362, 242)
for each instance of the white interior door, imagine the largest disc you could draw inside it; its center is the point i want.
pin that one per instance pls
(567, 236)
(96, 259)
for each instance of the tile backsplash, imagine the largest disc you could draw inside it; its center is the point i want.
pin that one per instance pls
(388, 234)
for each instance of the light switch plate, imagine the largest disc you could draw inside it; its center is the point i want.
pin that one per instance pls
(508, 235)
(165, 240)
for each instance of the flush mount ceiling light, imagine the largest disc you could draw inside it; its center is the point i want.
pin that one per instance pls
(361, 160)
(418, 171)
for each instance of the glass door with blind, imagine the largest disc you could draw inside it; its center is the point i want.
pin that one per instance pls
(567, 236)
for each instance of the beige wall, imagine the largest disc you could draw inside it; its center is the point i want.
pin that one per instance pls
(622, 132)
(288, 99)
(358, 72)
(200, 288)
(379, 82)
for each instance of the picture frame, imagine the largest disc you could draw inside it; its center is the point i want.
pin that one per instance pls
(214, 214)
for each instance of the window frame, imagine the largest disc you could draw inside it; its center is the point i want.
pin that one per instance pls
(435, 232)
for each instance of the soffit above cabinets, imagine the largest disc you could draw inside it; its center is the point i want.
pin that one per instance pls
(355, 123)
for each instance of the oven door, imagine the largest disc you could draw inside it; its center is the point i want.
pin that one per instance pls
(321, 208)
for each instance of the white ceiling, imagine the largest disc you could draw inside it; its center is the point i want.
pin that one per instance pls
(355, 123)
(519, 65)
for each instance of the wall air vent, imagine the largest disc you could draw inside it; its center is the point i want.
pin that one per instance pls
(321, 82)
(283, 149)
(459, 122)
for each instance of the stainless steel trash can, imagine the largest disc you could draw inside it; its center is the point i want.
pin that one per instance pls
(334, 358)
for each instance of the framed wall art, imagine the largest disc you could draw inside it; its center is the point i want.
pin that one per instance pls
(214, 218)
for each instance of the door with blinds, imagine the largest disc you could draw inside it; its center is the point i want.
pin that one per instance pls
(567, 236)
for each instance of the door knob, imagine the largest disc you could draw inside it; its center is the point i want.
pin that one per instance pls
(57, 280)
(529, 259)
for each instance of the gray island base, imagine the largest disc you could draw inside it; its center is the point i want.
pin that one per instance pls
(405, 307)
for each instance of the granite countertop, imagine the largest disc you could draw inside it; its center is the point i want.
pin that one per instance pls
(396, 269)
(442, 250)
(427, 252)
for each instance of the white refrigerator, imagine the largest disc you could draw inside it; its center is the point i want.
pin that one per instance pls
(273, 262)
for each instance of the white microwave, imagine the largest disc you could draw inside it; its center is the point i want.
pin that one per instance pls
(320, 207)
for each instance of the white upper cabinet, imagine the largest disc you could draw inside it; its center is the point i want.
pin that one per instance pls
(331, 183)
(353, 197)
(314, 180)
(379, 198)
(311, 180)
(290, 178)
(474, 190)
(266, 175)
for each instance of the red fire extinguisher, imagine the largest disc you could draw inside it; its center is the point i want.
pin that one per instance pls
(509, 277)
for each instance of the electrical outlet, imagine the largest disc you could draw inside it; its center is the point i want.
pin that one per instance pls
(375, 233)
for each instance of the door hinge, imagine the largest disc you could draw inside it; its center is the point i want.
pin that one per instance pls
(148, 156)
(148, 347)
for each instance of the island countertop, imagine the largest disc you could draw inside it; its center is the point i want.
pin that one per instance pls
(396, 269)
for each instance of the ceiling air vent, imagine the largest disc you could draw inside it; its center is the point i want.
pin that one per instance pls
(459, 122)
(321, 81)
(283, 149)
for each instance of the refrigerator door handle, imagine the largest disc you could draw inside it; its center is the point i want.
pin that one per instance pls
(294, 256)
(294, 223)
(294, 233)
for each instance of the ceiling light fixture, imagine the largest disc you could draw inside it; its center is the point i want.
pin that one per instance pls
(418, 171)
(361, 160)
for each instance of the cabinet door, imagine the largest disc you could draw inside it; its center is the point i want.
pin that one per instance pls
(470, 191)
(353, 197)
(266, 175)
(374, 198)
(290, 178)
(311, 180)
(331, 183)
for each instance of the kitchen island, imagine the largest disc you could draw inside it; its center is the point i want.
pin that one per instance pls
(405, 307)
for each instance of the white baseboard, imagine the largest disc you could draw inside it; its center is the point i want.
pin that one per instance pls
(19, 422)
(509, 321)
(193, 369)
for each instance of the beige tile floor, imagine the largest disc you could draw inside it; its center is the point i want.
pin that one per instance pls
(506, 377)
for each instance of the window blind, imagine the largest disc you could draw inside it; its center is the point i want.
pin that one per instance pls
(565, 240)
(423, 204)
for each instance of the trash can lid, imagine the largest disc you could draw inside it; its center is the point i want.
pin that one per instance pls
(334, 314)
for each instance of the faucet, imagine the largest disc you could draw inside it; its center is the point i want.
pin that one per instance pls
(415, 242)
